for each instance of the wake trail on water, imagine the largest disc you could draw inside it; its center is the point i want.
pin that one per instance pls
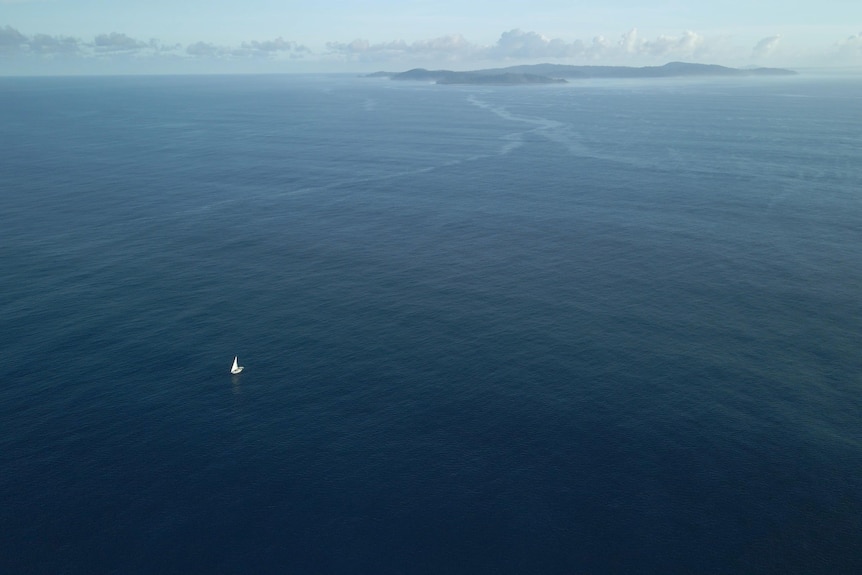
(553, 130)
(511, 143)
(561, 133)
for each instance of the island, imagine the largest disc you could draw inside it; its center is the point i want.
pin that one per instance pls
(561, 73)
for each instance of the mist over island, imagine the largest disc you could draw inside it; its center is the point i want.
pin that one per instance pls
(562, 73)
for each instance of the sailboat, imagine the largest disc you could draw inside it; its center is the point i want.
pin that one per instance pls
(235, 368)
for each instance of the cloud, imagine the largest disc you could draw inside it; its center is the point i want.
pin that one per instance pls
(629, 41)
(517, 44)
(765, 47)
(452, 47)
(685, 46)
(271, 49)
(845, 52)
(514, 44)
(525, 45)
(274, 46)
(119, 45)
(11, 40)
(44, 44)
(19, 51)
(267, 49)
(852, 45)
(116, 42)
(204, 50)
(629, 47)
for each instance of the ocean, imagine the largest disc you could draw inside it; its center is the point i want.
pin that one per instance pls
(600, 327)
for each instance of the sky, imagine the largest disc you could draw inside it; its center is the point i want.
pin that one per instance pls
(272, 36)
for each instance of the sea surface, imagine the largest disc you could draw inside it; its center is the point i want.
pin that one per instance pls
(600, 327)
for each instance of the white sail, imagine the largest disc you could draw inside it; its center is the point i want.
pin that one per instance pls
(236, 368)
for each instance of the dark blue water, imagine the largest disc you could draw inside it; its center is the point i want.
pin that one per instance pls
(592, 328)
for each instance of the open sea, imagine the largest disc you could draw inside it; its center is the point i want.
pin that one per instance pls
(600, 327)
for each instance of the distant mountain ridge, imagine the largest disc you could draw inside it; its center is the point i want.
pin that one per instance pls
(557, 73)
